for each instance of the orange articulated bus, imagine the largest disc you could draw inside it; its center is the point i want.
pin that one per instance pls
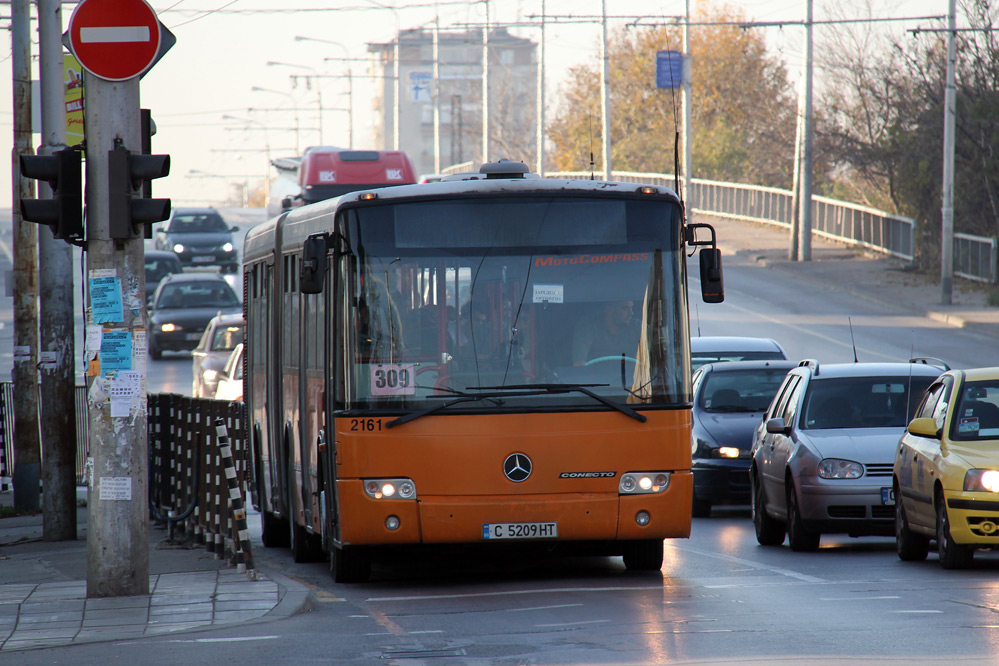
(501, 359)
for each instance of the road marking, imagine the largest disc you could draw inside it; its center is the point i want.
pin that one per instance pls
(856, 598)
(916, 611)
(749, 563)
(572, 624)
(556, 590)
(428, 631)
(536, 608)
(236, 639)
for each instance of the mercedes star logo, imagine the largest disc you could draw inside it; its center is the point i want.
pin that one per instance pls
(517, 467)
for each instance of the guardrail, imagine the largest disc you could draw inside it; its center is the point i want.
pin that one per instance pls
(975, 257)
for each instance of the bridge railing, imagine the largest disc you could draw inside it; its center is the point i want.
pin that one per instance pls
(975, 257)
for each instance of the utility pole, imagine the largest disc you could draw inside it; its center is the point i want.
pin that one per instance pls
(436, 90)
(56, 324)
(27, 456)
(485, 87)
(947, 208)
(605, 91)
(688, 132)
(792, 250)
(805, 230)
(118, 520)
(541, 97)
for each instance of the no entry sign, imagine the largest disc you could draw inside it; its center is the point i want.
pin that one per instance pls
(115, 39)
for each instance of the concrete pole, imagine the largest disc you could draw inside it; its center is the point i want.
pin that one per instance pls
(688, 130)
(541, 98)
(795, 235)
(118, 520)
(806, 171)
(605, 91)
(27, 455)
(56, 323)
(947, 208)
(350, 108)
(396, 98)
(436, 91)
(485, 88)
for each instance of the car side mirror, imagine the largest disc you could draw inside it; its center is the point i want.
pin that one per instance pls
(286, 204)
(776, 426)
(924, 427)
(234, 228)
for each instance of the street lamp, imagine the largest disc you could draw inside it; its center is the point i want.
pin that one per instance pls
(319, 91)
(298, 145)
(267, 148)
(350, 84)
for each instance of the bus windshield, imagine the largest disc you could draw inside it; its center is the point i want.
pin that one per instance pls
(453, 298)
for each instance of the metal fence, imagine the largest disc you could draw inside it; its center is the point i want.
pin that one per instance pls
(187, 483)
(975, 257)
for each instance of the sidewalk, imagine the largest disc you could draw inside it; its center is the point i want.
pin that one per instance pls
(43, 590)
(863, 274)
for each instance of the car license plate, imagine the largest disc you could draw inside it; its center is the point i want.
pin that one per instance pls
(203, 260)
(888, 496)
(547, 530)
(192, 336)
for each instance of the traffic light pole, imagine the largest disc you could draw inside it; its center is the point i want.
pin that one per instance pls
(118, 520)
(56, 324)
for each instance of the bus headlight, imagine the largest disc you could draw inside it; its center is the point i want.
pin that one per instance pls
(390, 489)
(643, 483)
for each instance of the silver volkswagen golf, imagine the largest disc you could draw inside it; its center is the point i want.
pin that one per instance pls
(822, 456)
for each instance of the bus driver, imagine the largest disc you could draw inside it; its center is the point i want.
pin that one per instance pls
(605, 334)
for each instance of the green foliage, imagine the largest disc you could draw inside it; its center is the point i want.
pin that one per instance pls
(743, 111)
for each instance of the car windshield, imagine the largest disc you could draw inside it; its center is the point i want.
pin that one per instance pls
(157, 269)
(227, 337)
(531, 292)
(862, 402)
(199, 223)
(208, 294)
(976, 415)
(740, 390)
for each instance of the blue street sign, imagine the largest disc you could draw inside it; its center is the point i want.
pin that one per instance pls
(669, 69)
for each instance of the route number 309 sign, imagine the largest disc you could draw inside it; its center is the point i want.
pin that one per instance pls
(389, 379)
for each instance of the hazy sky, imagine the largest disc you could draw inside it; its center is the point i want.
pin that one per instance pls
(223, 47)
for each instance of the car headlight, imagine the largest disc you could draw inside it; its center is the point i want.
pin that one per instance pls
(643, 483)
(390, 489)
(834, 468)
(227, 247)
(727, 452)
(982, 480)
(178, 248)
(210, 375)
(169, 328)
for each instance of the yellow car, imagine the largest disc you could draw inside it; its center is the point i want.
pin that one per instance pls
(946, 472)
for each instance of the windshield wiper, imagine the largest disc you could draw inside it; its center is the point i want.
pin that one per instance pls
(534, 389)
(464, 397)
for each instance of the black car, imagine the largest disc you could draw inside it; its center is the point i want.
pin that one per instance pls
(181, 308)
(159, 264)
(730, 398)
(200, 237)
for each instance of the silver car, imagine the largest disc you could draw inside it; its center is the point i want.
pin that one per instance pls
(822, 456)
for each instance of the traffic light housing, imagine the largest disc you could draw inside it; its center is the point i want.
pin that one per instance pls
(64, 211)
(127, 172)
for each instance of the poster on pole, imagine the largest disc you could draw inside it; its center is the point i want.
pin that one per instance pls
(73, 87)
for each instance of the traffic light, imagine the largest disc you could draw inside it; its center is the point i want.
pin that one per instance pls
(64, 211)
(126, 173)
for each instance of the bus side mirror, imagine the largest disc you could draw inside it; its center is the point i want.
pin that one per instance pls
(312, 277)
(712, 284)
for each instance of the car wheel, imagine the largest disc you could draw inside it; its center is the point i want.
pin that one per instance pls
(643, 555)
(911, 547)
(350, 565)
(799, 537)
(769, 531)
(700, 508)
(952, 555)
(155, 352)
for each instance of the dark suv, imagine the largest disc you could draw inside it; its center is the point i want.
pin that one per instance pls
(200, 237)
